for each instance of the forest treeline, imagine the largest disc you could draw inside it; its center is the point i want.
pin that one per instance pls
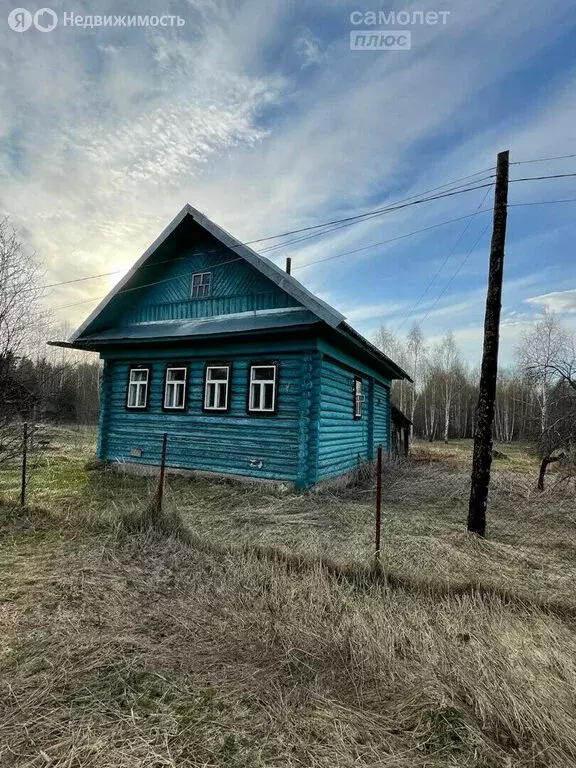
(536, 396)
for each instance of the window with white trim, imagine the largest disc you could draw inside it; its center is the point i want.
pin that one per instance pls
(358, 398)
(263, 385)
(216, 389)
(175, 389)
(137, 397)
(201, 285)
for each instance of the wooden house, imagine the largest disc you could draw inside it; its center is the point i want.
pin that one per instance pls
(248, 372)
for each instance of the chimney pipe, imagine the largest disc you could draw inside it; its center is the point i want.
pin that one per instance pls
(288, 265)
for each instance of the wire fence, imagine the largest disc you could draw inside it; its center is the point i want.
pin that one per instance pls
(411, 515)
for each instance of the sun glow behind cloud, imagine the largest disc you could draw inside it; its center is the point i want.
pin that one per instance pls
(259, 115)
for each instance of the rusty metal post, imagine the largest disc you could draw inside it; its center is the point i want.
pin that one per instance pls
(161, 475)
(378, 500)
(24, 464)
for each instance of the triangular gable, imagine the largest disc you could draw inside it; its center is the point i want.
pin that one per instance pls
(284, 281)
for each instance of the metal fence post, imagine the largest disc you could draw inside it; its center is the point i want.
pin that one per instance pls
(160, 486)
(378, 500)
(24, 464)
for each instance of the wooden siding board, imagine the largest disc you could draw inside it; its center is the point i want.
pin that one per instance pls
(230, 443)
(382, 416)
(343, 440)
(235, 287)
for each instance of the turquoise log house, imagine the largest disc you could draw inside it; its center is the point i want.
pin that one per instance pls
(246, 370)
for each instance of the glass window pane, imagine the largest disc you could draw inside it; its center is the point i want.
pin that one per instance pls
(142, 396)
(221, 396)
(254, 396)
(211, 395)
(139, 375)
(176, 374)
(268, 396)
(261, 373)
(218, 374)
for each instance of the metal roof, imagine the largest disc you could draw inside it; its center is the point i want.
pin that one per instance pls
(223, 324)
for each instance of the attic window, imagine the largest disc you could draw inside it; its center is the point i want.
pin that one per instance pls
(201, 284)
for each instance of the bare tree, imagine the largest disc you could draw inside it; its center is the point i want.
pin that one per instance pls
(539, 352)
(416, 351)
(447, 363)
(19, 293)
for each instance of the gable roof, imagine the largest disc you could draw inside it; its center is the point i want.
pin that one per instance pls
(277, 275)
(314, 308)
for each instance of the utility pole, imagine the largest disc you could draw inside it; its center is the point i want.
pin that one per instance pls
(482, 458)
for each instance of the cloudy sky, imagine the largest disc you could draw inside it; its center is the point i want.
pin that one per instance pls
(260, 115)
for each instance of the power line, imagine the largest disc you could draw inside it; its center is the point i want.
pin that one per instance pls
(348, 221)
(541, 178)
(543, 159)
(457, 272)
(390, 240)
(542, 202)
(300, 266)
(447, 258)
(376, 211)
(373, 215)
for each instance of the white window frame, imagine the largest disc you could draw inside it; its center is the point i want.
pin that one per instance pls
(135, 386)
(358, 398)
(259, 384)
(176, 384)
(201, 285)
(218, 383)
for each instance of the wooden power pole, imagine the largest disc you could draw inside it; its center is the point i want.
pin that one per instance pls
(487, 393)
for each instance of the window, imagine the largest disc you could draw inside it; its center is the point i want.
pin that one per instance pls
(358, 398)
(262, 395)
(216, 388)
(175, 389)
(201, 284)
(138, 388)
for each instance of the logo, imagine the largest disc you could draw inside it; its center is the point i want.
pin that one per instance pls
(45, 20)
(20, 20)
(380, 40)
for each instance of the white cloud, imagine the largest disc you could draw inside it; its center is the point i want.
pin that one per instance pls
(114, 135)
(558, 301)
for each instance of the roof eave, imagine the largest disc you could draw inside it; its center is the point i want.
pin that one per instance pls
(375, 352)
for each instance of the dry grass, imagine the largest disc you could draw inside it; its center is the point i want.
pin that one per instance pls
(530, 550)
(134, 649)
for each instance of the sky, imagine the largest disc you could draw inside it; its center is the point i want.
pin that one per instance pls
(259, 114)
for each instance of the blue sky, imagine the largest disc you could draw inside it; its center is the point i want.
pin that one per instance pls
(260, 115)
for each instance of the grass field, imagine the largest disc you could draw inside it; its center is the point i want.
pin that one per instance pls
(208, 648)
